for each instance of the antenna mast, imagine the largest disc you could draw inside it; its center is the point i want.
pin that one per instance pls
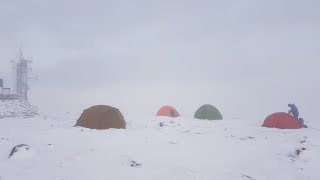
(23, 69)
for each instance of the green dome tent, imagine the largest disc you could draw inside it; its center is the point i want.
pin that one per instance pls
(209, 112)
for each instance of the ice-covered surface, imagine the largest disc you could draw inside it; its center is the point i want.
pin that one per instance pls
(17, 109)
(183, 148)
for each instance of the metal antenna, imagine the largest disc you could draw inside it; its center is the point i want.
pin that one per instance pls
(21, 54)
(23, 69)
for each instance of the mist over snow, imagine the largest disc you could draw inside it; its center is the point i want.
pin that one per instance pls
(247, 58)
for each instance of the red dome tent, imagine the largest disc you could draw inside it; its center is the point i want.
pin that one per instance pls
(168, 111)
(281, 120)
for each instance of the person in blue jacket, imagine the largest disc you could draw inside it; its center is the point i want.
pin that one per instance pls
(294, 110)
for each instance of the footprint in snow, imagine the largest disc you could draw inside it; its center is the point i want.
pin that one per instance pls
(303, 140)
(248, 137)
(135, 164)
(296, 153)
(131, 163)
(248, 177)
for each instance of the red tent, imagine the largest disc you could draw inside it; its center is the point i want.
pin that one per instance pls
(168, 111)
(281, 120)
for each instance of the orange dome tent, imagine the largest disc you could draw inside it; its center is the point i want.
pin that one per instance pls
(168, 111)
(281, 120)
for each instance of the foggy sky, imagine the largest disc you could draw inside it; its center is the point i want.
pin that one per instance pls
(248, 58)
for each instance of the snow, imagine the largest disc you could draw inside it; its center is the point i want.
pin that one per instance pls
(183, 148)
(17, 108)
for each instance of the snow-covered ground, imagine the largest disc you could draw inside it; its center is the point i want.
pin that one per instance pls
(184, 148)
(17, 108)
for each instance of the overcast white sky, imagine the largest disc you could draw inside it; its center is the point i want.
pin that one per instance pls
(247, 57)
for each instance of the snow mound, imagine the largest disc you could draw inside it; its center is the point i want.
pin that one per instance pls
(21, 151)
(17, 109)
